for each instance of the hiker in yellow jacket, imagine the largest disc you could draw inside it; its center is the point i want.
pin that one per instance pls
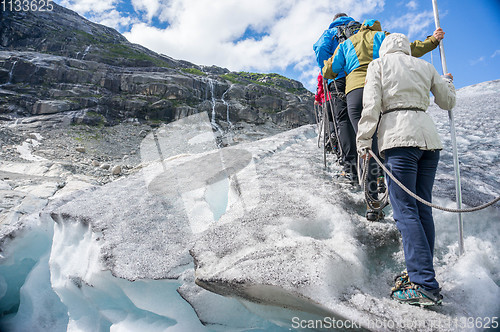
(353, 57)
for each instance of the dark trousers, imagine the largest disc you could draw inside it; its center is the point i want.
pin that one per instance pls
(354, 108)
(416, 169)
(347, 136)
(329, 113)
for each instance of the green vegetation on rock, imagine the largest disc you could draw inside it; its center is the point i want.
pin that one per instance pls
(193, 71)
(114, 51)
(270, 79)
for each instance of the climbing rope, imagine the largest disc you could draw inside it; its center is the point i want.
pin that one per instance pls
(373, 203)
(371, 200)
(327, 90)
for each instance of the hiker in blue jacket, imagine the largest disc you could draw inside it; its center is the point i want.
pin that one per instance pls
(352, 58)
(324, 49)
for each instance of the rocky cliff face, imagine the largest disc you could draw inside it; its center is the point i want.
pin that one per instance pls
(60, 65)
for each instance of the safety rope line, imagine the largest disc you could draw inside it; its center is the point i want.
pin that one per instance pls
(421, 200)
(374, 204)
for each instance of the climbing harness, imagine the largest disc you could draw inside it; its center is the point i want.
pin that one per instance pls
(421, 200)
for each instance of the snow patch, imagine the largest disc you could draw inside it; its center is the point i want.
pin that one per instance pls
(25, 151)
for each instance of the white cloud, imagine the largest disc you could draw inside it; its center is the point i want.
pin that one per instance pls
(89, 6)
(150, 7)
(113, 19)
(477, 61)
(210, 32)
(412, 5)
(412, 25)
(100, 11)
(310, 77)
(484, 59)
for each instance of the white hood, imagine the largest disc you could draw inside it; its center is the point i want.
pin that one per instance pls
(399, 81)
(395, 42)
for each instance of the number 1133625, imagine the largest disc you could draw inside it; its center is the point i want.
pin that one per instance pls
(26, 5)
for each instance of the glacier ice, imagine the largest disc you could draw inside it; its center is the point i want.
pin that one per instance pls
(248, 237)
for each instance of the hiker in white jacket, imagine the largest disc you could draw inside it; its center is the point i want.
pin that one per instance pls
(395, 100)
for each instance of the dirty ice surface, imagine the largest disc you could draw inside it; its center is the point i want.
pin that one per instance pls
(254, 236)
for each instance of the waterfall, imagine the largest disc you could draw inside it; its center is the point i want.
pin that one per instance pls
(227, 106)
(229, 123)
(13, 125)
(86, 51)
(11, 74)
(215, 126)
(227, 132)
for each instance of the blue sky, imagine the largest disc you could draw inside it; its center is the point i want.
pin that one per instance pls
(277, 35)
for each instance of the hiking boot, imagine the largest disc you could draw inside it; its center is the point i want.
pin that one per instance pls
(371, 215)
(347, 177)
(374, 215)
(401, 281)
(381, 188)
(416, 295)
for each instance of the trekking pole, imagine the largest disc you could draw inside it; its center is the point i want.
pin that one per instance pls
(456, 164)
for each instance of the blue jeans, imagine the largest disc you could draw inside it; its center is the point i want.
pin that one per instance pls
(416, 169)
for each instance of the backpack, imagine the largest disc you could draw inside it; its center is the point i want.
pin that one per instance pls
(347, 30)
